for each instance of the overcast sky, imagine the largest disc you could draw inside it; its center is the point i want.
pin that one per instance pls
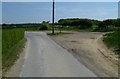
(35, 12)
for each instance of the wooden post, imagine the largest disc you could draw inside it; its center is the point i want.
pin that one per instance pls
(53, 19)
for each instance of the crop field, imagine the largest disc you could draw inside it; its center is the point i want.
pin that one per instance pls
(12, 42)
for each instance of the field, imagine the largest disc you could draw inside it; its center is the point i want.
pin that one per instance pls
(0, 49)
(12, 42)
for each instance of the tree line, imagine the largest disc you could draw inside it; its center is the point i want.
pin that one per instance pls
(26, 25)
(104, 25)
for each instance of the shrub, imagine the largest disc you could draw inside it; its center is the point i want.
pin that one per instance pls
(113, 40)
(43, 27)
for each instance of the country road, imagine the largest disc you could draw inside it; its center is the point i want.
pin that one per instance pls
(45, 58)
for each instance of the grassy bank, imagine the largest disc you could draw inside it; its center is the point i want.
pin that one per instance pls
(0, 49)
(112, 40)
(12, 43)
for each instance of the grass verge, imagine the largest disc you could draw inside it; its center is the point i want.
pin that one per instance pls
(12, 44)
(8, 61)
(112, 40)
(0, 51)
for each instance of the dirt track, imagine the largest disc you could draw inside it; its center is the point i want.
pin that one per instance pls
(89, 49)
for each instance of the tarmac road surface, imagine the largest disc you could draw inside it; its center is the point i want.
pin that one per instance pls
(45, 58)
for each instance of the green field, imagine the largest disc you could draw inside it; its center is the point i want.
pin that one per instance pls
(0, 49)
(12, 42)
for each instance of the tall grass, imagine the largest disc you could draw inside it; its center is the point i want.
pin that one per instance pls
(12, 40)
(0, 50)
(113, 40)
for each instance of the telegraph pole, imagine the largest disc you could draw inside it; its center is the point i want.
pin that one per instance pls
(53, 18)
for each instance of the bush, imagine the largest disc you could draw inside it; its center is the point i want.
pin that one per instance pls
(102, 27)
(82, 23)
(43, 27)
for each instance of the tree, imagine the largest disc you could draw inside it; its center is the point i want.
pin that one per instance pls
(44, 25)
(109, 22)
(85, 23)
(117, 23)
(102, 26)
(82, 23)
